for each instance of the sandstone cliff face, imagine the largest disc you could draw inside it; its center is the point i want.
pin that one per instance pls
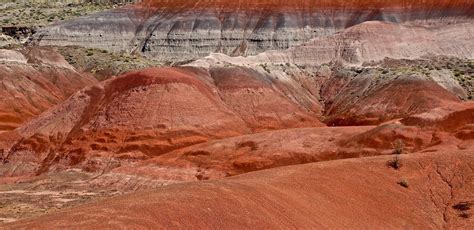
(181, 30)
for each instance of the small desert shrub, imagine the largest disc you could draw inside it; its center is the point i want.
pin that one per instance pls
(404, 183)
(395, 163)
(463, 209)
(398, 147)
(463, 206)
(265, 67)
(89, 52)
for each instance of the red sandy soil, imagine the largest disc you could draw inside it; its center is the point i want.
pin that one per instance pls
(30, 88)
(237, 155)
(355, 193)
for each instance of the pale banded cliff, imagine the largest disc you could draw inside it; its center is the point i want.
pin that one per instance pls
(181, 30)
(369, 42)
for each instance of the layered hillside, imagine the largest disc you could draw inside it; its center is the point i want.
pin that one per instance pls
(152, 112)
(290, 89)
(375, 41)
(155, 111)
(182, 30)
(444, 128)
(435, 148)
(33, 80)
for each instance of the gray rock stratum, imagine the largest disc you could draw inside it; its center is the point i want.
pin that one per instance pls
(364, 43)
(182, 30)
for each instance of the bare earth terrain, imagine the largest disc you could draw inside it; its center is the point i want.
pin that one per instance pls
(237, 114)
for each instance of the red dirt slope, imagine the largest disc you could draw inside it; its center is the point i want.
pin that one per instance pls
(237, 155)
(31, 81)
(257, 99)
(370, 100)
(153, 111)
(150, 112)
(356, 193)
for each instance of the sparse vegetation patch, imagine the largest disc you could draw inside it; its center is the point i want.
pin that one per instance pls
(404, 183)
(463, 209)
(395, 163)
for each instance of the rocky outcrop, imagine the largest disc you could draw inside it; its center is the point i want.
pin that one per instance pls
(182, 30)
(6, 40)
(20, 34)
(352, 96)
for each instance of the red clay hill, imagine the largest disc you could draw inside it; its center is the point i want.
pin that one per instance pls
(152, 112)
(262, 141)
(33, 80)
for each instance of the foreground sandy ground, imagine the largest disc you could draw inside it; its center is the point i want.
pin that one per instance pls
(430, 190)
